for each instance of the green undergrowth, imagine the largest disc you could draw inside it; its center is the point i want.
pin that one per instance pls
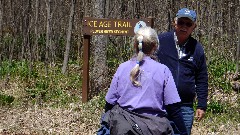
(40, 85)
(6, 99)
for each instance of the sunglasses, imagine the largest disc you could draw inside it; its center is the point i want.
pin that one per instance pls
(181, 23)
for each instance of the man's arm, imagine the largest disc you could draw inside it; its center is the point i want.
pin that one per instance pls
(201, 80)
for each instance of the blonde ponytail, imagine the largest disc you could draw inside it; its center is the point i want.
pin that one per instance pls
(145, 40)
(134, 74)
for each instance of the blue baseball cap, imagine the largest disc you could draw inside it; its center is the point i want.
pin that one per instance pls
(185, 12)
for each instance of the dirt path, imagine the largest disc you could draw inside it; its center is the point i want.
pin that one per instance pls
(47, 121)
(80, 122)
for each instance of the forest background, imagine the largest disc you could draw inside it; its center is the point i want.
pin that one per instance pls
(41, 60)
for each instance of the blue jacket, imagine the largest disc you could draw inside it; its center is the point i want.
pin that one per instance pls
(189, 72)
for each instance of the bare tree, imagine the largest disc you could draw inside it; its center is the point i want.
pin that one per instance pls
(1, 18)
(78, 18)
(35, 49)
(238, 44)
(50, 52)
(210, 30)
(99, 51)
(47, 30)
(69, 33)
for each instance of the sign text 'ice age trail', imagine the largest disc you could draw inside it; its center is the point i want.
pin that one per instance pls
(94, 26)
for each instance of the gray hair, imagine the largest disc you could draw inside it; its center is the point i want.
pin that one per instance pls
(145, 40)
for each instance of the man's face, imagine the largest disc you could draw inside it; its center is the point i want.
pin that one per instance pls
(184, 27)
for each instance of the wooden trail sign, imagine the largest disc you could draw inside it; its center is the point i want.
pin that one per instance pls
(103, 26)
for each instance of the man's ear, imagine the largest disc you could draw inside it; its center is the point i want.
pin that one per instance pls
(195, 25)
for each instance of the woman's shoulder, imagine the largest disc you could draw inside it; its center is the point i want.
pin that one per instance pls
(123, 67)
(158, 64)
(126, 63)
(155, 65)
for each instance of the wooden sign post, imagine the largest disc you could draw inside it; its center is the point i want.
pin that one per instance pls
(94, 26)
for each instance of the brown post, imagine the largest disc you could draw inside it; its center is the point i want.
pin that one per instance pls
(151, 21)
(86, 54)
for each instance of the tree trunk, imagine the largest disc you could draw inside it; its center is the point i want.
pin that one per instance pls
(69, 33)
(48, 31)
(238, 45)
(222, 37)
(23, 30)
(99, 51)
(28, 42)
(170, 14)
(53, 32)
(210, 31)
(35, 50)
(1, 19)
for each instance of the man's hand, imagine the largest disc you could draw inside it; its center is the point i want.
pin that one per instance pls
(199, 114)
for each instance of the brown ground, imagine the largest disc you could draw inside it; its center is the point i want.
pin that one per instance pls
(75, 121)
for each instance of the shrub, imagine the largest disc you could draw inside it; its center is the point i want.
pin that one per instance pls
(6, 99)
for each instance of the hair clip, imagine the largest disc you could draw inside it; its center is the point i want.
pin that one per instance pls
(139, 25)
(140, 38)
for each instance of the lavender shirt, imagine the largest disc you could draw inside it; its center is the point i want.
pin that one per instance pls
(157, 88)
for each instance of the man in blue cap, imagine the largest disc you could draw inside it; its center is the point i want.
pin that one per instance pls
(185, 57)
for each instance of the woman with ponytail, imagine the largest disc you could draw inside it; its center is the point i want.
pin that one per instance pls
(143, 85)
